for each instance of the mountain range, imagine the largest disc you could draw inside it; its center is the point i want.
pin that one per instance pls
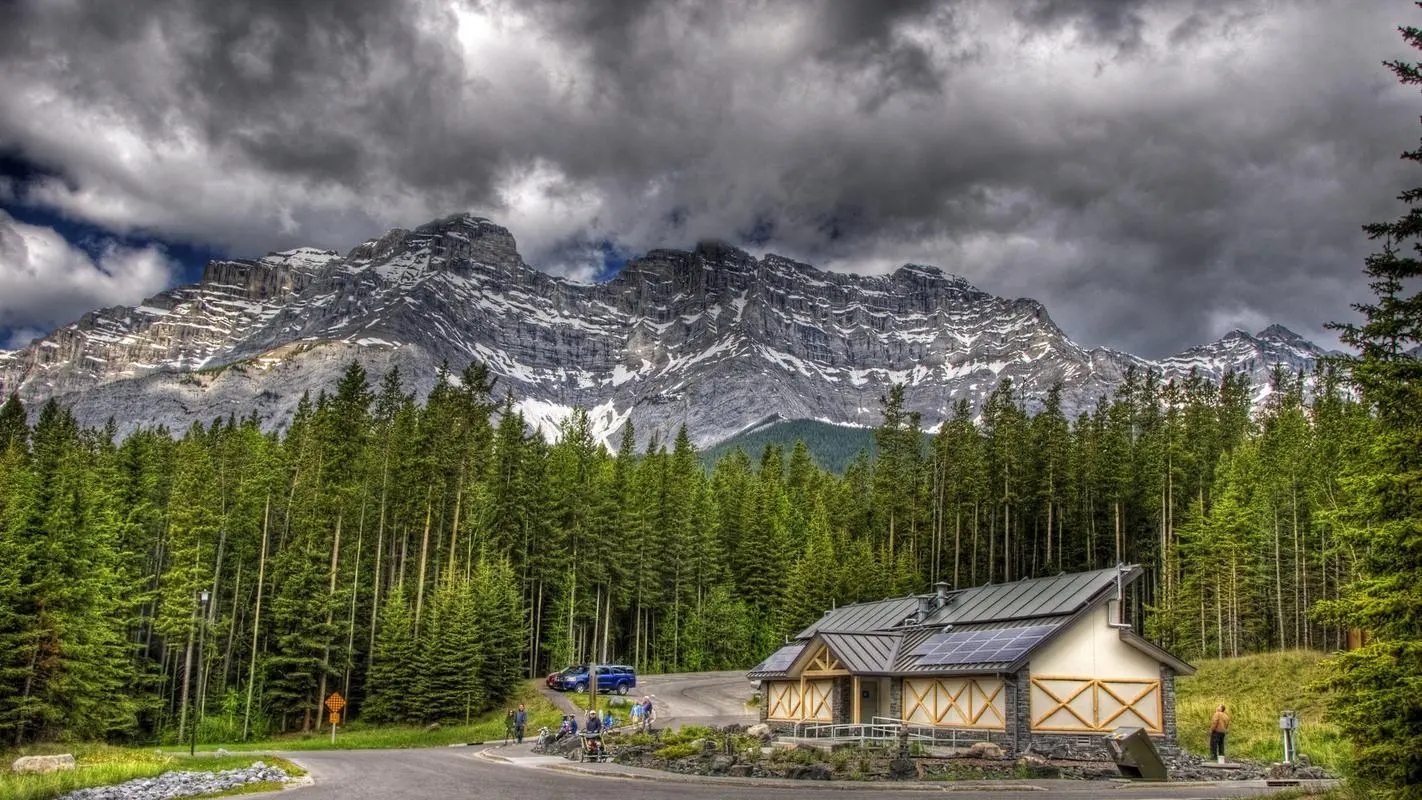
(713, 337)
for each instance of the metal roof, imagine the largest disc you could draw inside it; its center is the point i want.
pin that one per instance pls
(879, 615)
(872, 638)
(1035, 597)
(777, 665)
(862, 652)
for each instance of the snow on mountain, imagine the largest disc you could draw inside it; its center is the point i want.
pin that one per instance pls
(711, 337)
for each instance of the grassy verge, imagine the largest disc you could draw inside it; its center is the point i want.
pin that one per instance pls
(102, 765)
(486, 728)
(1255, 689)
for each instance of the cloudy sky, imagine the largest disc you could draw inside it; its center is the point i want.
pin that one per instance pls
(1156, 172)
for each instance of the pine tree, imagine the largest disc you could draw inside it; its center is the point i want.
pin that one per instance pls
(14, 427)
(1375, 700)
(500, 614)
(393, 667)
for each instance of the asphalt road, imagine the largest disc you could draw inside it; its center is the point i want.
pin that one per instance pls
(465, 774)
(700, 698)
(688, 698)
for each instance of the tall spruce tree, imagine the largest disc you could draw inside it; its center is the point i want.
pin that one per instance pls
(1376, 697)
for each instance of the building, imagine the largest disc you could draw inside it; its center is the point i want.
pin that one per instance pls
(1044, 663)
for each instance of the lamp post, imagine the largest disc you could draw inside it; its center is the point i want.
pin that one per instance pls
(203, 597)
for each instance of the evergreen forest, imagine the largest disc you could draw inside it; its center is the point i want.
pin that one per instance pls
(421, 558)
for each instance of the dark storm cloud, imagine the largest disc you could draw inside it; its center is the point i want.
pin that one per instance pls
(1115, 21)
(1155, 173)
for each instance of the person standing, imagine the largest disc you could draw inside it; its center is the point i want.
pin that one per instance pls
(636, 721)
(647, 714)
(520, 721)
(1219, 726)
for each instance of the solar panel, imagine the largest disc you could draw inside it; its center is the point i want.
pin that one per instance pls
(780, 660)
(980, 646)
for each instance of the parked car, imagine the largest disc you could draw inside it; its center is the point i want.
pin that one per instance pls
(618, 678)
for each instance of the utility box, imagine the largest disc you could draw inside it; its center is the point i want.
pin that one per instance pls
(1289, 725)
(1135, 754)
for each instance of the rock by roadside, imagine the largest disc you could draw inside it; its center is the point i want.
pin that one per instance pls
(25, 765)
(731, 752)
(182, 784)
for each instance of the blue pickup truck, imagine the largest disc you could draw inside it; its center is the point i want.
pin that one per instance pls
(618, 678)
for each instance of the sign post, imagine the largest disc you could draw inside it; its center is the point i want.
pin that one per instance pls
(335, 702)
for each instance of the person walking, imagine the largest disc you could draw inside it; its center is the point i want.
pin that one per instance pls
(1219, 726)
(509, 726)
(520, 722)
(647, 714)
(636, 716)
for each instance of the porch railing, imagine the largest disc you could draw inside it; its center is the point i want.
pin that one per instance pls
(884, 731)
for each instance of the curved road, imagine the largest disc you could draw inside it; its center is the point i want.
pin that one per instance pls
(700, 698)
(687, 698)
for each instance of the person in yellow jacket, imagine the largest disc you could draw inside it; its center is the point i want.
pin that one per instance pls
(1219, 726)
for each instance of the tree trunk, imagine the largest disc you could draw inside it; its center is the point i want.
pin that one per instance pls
(257, 619)
(424, 560)
(330, 617)
(1278, 581)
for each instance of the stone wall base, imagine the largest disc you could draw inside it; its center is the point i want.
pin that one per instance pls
(1083, 746)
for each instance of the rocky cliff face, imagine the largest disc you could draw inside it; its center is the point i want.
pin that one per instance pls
(713, 338)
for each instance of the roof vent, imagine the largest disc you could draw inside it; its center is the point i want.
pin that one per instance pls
(926, 606)
(940, 596)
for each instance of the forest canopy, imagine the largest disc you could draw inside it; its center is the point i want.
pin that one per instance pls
(421, 557)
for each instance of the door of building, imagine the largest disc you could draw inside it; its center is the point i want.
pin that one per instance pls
(868, 700)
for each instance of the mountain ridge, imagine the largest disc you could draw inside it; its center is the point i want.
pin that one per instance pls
(712, 337)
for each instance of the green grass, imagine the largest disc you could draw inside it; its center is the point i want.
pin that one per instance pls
(102, 765)
(488, 727)
(1254, 689)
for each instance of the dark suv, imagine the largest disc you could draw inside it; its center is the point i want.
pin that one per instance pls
(618, 678)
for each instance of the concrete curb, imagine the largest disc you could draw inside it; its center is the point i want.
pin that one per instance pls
(489, 755)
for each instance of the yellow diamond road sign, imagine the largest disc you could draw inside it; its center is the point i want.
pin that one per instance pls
(335, 702)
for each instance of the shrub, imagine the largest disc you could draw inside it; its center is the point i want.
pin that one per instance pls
(674, 751)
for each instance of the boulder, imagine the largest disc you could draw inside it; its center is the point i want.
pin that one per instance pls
(809, 772)
(985, 750)
(761, 731)
(33, 764)
(1035, 766)
(739, 771)
(432, 727)
(903, 769)
(720, 765)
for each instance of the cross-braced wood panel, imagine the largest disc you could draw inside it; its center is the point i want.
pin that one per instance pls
(818, 702)
(955, 702)
(1075, 704)
(823, 662)
(783, 700)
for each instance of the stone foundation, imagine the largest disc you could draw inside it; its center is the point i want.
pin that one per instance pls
(1167, 704)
